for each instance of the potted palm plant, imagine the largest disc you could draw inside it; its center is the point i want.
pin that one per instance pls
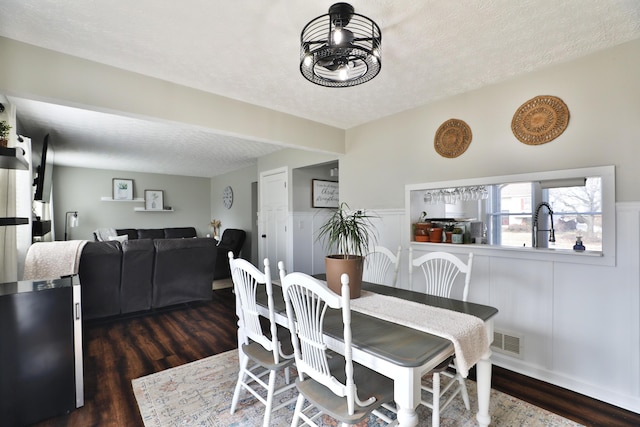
(349, 234)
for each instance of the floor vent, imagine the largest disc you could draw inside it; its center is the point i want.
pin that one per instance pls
(507, 343)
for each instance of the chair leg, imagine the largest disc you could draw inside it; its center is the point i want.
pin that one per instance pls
(269, 402)
(298, 410)
(435, 413)
(244, 362)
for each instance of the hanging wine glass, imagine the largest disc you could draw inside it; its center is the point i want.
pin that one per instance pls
(484, 193)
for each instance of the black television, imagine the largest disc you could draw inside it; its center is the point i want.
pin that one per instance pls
(44, 173)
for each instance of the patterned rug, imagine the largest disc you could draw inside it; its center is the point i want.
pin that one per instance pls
(200, 393)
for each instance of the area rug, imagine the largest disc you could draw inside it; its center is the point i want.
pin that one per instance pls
(200, 393)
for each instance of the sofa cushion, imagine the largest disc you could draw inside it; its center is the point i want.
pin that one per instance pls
(131, 233)
(150, 233)
(183, 270)
(179, 232)
(137, 272)
(99, 271)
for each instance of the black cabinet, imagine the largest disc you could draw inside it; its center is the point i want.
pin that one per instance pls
(41, 350)
(40, 228)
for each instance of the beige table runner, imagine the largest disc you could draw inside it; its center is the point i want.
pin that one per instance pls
(467, 333)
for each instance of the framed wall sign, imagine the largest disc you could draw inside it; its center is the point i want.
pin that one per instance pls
(153, 200)
(324, 194)
(122, 189)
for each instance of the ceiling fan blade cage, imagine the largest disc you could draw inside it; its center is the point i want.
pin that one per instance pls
(324, 55)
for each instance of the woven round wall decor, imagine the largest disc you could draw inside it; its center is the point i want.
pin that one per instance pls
(452, 138)
(540, 120)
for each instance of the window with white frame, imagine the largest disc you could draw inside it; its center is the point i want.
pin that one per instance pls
(582, 202)
(577, 213)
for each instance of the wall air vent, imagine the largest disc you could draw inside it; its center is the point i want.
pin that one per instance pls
(508, 343)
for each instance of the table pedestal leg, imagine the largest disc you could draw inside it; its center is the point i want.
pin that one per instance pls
(483, 371)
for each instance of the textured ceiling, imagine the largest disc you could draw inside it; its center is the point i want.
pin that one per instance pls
(248, 50)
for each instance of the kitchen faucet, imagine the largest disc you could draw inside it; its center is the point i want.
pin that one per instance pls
(552, 233)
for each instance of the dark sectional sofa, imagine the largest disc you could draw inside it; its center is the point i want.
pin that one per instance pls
(232, 240)
(153, 268)
(157, 233)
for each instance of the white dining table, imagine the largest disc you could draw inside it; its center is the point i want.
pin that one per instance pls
(400, 352)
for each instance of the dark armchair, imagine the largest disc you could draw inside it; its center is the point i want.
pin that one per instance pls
(232, 240)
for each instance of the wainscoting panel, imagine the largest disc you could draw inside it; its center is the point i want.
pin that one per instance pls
(523, 292)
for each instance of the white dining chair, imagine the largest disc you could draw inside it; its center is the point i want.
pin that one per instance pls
(269, 353)
(441, 269)
(378, 263)
(332, 384)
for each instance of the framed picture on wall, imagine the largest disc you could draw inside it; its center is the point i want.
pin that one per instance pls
(154, 200)
(122, 189)
(324, 194)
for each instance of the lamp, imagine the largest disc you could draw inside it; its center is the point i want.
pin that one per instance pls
(341, 48)
(71, 223)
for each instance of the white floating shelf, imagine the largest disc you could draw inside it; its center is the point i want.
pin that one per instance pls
(152, 210)
(111, 199)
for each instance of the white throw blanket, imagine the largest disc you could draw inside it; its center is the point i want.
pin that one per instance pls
(467, 333)
(50, 260)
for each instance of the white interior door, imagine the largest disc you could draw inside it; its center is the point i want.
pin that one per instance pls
(274, 208)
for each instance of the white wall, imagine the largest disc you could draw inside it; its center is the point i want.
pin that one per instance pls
(79, 189)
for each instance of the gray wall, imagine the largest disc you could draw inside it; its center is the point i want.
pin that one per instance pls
(601, 91)
(78, 189)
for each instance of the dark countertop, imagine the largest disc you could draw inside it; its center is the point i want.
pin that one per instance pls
(25, 286)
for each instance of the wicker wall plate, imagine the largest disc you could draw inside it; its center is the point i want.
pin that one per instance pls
(540, 120)
(452, 138)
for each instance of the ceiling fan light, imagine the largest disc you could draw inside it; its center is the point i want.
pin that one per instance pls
(308, 60)
(343, 73)
(337, 36)
(348, 54)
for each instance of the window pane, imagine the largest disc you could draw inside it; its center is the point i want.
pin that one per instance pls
(511, 218)
(577, 211)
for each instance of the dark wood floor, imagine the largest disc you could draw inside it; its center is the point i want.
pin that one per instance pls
(117, 351)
